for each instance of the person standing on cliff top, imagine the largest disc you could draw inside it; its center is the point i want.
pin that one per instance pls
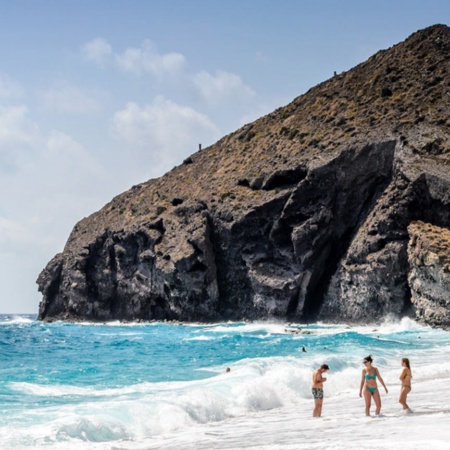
(317, 389)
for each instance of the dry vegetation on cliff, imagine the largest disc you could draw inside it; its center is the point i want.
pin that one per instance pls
(302, 212)
(399, 93)
(428, 238)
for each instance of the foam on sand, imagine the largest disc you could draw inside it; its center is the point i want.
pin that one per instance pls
(343, 425)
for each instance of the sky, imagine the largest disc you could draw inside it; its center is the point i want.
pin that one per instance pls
(99, 95)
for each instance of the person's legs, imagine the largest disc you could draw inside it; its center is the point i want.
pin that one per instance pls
(403, 394)
(377, 399)
(317, 407)
(367, 399)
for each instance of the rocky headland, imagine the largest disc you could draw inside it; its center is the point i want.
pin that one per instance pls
(335, 207)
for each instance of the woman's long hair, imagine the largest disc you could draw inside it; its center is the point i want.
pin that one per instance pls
(406, 361)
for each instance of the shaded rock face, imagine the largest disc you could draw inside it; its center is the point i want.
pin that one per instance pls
(125, 276)
(372, 278)
(301, 215)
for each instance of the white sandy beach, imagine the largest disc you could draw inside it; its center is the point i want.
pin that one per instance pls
(343, 425)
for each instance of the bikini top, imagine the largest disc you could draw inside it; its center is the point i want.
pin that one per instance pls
(369, 377)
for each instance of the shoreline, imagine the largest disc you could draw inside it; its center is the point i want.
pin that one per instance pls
(271, 320)
(343, 426)
(144, 387)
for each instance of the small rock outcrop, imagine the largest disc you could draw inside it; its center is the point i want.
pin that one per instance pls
(300, 215)
(429, 275)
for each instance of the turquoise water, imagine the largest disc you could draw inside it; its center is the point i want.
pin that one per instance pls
(70, 385)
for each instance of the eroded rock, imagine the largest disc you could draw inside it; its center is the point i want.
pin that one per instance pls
(429, 275)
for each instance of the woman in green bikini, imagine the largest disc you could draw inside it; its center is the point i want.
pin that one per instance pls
(369, 384)
(405, 379)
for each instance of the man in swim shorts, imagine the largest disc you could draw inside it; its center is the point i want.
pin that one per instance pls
(317, 389)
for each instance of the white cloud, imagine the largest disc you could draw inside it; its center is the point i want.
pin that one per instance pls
(56, 157)
(145, 59)
(164, 132)
(98, 51)
(13, 236)
(73, 169)
(262, 57)
(15, 127)
(223, 87)
(215, 90)
(56, 184)
(18, 135)
(53, 186)
(9, 88)
(70, 99)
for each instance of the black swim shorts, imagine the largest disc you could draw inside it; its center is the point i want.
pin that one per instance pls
(317, 393)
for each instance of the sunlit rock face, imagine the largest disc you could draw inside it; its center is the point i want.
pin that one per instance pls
(300, 215)
(429, 275)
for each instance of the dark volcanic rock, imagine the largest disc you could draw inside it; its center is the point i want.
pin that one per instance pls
(302, 214)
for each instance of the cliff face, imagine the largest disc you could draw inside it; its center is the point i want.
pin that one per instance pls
(429, 276)
(302, 214)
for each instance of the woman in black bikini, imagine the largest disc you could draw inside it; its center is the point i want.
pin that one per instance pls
(405, 379)
(369, 383)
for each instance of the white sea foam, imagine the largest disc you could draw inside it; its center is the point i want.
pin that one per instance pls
(272, 328)
(343, 426)
(267, 389)
(262, 403)
(15, 319)
(200, 338)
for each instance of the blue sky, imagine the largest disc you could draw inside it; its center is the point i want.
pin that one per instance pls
(97, 95)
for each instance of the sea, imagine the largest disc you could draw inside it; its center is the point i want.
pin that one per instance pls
(166, 385)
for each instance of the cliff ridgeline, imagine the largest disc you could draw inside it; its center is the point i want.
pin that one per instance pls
(335, 207)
